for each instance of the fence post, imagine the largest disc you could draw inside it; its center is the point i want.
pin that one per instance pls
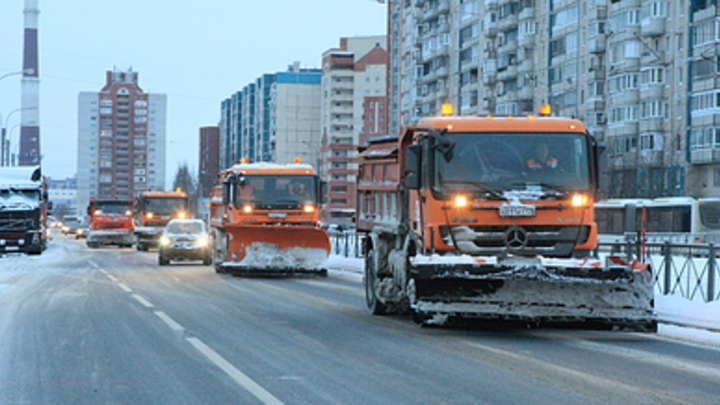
(347, 245)
(628, 251)
(711, 272)
(337, 244)
(668, 268)
(357, 240)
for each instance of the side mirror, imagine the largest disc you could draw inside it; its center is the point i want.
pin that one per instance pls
(49, 205)
(412, 167)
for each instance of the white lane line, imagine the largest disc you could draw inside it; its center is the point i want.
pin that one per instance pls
(124, 287)
(112, 278)
(655, 359)
(92, 263)
(169, 321)
(140, 299)
(237, 375)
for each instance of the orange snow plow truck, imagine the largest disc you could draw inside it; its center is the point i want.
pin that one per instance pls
(492, 217)
(110, 223)
(265, 220)
(152, 211)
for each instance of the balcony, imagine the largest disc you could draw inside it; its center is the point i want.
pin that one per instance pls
(597, 44)
(652, 27)
(652, 124)
(491, 5)
(525, 93)
(596, 105)
(651, 93)
(509, 73)
(650, 158)
(442, 72)
(525, 67)
(526, 14)
(508, 23)
(526, 40)
(509, 47)
(704, 156)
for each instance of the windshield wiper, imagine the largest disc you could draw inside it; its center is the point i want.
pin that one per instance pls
(476, 187)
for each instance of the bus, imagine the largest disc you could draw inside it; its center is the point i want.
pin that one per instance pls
(677, 219)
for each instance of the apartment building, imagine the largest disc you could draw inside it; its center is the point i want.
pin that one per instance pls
(121, 140)
(276, 118)
(353, 75)
(641, 74)
(209, 159)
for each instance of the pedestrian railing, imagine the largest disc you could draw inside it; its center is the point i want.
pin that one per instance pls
(689, 270)
(347, 244)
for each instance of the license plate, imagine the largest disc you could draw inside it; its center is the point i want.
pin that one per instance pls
(13, 248)
(277, 215)
(517, 211)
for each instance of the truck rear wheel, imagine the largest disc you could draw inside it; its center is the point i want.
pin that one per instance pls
(373, 303)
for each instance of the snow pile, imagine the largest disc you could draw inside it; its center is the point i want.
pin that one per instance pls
(515, 196)
(679, 310)
(269, 255)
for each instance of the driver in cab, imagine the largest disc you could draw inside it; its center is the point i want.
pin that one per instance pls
(298, 188)
(542, 160)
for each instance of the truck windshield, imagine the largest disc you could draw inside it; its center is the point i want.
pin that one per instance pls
(277, 191)
(112, 208)
(493, 163)
(33, 195)
(165, 205)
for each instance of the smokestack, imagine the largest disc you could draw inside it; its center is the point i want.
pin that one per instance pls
(30, 102)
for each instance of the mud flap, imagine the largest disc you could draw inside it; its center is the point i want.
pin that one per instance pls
(619, 296)
(276, 250)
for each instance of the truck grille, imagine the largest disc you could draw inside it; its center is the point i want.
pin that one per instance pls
(528, 240)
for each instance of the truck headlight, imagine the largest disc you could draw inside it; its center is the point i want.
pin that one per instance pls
(308, 208)
(461, 201)
(165, 241)
(202, 241)
(181, 215)
(247, 209)
(579, 200)
(150, 215)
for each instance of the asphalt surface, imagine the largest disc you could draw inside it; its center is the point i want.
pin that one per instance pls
(111, 326)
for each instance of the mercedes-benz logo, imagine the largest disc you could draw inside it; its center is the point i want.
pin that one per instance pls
(515, 238)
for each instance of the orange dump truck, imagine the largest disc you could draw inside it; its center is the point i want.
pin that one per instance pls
(110, 223)
(492, 217)
(265, 220)
(152, 211)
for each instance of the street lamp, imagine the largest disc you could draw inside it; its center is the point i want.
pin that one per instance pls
(24, 71)
(4, 141)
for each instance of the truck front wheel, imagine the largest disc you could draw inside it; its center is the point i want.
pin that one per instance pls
(374, 305)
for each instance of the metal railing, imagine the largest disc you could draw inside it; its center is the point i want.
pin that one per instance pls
(347, 244)
(687, 269)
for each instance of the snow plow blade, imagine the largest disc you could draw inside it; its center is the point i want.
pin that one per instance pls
(534, 290)
(275, 250)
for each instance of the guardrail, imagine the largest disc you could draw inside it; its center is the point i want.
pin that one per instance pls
(687, 269)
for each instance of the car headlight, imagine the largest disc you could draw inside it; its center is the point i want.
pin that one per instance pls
(79, 231)
(202, 241)
(164, 241)
(182, 215)
(65, 228)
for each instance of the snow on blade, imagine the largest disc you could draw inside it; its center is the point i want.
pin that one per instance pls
(263, 254)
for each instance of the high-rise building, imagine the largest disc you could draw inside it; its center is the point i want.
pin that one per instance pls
(209, 159)
(641, 75)
(351, 73)
(274, 119)
(121, 140)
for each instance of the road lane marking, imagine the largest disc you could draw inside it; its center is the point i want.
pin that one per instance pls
(655, 359)
(124, 287)
(92, 263)
(169, 321)
(143, 301)
(112, 278)
(237, 375)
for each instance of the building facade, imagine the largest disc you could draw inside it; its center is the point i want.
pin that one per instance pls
(274, 119)
(121, 140)
(209, 159)
(355, 71)
(64, 193)
(641, 74)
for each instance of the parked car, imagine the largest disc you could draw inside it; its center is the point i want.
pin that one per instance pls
(185, 239)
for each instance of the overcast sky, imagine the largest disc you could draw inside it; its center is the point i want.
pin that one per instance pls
(196, 52)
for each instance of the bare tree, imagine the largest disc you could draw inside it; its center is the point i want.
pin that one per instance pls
(186, 182)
